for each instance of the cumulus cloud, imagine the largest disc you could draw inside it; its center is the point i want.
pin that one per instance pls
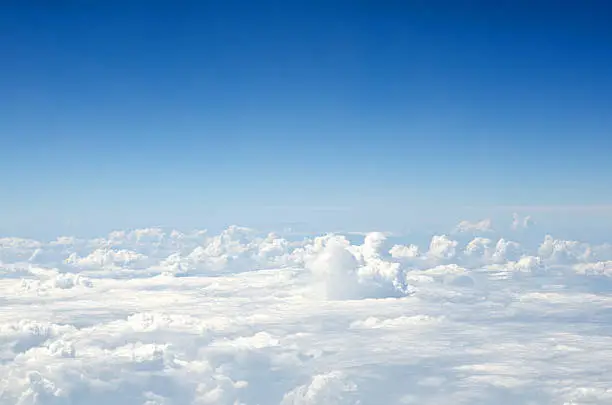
(478, 247)
(442, 248)
(107, 258)
(484, 225)
(506, 251)
(485, 251)
(238, 249)
(51, 279)
(344, 273)
(405, 251)
(603, 269)
(162, 317)
(331, 388)
(563, 251)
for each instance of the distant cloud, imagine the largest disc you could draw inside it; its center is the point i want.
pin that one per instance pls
(484, 225)
(329, 388)
(521, 222)
(442, 247)
(405, 251)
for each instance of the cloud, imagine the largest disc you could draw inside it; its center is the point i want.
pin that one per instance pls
(162, 317)
(331, 388)
(563, 251)
(505, 251)
(519, 222)
(478, 247)
(400, 322)
(340, 272)
(442, 248)
(526, 264)
(484, 225)
(107, 258)
(405, 251)
(17, 249)
(602, 269)
(50, 279)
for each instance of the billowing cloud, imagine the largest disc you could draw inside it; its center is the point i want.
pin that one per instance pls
(405, 251)
(107, 258)
(330, 388)
(479, 247)
(563, 251)
(162, 317)
(442, 248)
(345, 273)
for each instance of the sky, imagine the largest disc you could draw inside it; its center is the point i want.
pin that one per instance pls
(349, 114)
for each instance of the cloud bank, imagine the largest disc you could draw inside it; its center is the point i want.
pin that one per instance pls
(162, 317)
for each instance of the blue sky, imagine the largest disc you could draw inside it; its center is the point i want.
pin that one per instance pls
(351, 114)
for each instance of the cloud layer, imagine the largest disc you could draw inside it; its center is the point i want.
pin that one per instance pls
(156, 317)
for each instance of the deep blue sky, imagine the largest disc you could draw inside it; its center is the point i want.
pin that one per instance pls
(205, 113)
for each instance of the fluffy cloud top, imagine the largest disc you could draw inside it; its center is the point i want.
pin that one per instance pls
(361, 272)
(442, 248)
(159, 317)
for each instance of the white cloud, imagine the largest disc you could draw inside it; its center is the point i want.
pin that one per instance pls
(563, 251)
(478, 247)
(53, 279)
(250, 319)
(506, 251)
(238, 249)
(399, 322)
(107, 258)
(343, 273)
(521, 222)
(603, 269)
(484, 225)
(405, 251)
(331, 388)
(442, 248)
(17, 249)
